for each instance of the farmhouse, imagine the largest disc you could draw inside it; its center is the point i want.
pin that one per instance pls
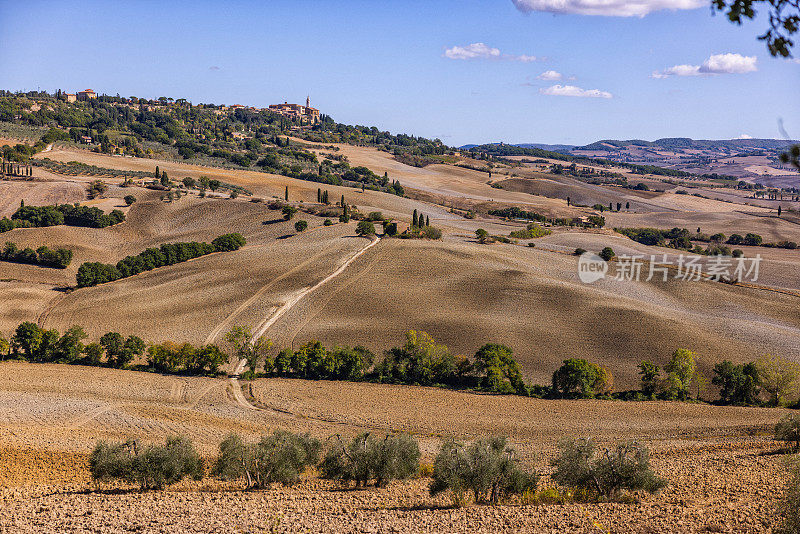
(305, 114)
(71, 97)
(86, 94)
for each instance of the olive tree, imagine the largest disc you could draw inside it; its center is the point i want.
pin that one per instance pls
(488, 468)
(605, 472)
(788, 430)
(368, 458)
(279, 457)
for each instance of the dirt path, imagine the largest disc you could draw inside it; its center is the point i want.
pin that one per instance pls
(279, 312)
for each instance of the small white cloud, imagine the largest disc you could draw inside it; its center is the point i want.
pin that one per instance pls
(607, 8)
(728, 64)
(472, 51)
(571, 90)
(550, 75)
(715, 64)
(744, 136)
(795, 60)
(484, 51)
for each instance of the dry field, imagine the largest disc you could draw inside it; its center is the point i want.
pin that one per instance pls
(718, 459)
(722, 472)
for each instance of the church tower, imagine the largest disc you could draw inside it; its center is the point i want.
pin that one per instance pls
(308, 101)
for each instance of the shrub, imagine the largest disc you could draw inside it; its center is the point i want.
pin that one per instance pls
(482, 235)
(301, 226)
(752, 240)
(607, 253)
(129, 199)
(96, 188)
(488, 468)
(280, 457)
(532, 231)
(788, 429)
(152, 467)
(367, 458)
(605, 473)
(288, 212)
(579, 251)
(327, 222)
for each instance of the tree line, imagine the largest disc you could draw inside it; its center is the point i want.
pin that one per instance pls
(420, 361)
(59, 258)
(69, 214)
(93, 273)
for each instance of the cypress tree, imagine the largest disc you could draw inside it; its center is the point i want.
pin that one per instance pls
(319, 195)
(342, 202)
(286, 193)
(427, 221)
(414, 219)
(158, 173)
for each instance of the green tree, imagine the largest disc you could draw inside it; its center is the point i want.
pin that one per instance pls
(780, 379)
(649, 374)
(414, 217)
(365, 228)
(129, 199)
(482, 235)
(286, 193)
(607, 253)
(680, 373)
(738, 384)
(27, 340)
(301, 226)
(289, 212)
(498, 369)
(578, 378)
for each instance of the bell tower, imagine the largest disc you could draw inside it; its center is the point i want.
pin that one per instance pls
(308, 101)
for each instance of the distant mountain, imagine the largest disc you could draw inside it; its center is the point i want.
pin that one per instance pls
(685, 143)
(543, 146)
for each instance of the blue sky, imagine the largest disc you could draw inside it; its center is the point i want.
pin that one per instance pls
(387, 64)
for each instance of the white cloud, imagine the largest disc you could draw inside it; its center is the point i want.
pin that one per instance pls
(728, 64)
(744, 136)
(571, 90)
(608, 8)
(483, 51)
(550, 75)
(715, 64)
(472, 51)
